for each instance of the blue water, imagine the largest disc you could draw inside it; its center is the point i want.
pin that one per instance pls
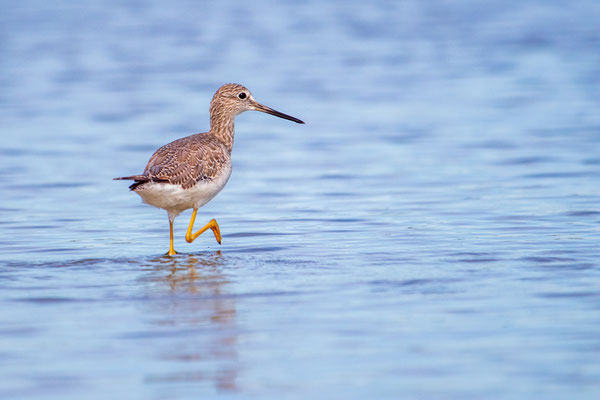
(432, 232)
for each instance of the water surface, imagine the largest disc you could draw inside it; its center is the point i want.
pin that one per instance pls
(431, 232)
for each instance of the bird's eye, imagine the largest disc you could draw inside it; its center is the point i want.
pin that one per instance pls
(242, 95)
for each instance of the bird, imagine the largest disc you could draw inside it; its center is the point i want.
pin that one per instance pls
(190, 171)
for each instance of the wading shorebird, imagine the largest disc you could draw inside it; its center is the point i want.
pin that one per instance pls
(189, 172)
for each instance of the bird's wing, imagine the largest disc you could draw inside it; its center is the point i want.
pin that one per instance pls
(186, 161)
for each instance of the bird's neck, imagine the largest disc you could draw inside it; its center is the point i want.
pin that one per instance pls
(222, 127)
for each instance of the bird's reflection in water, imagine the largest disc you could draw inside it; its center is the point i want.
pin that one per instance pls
(198, 307)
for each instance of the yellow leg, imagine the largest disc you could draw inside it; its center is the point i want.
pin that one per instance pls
(189, 237)
(171, 249)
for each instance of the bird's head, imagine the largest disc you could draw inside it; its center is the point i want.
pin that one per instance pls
(233, 99)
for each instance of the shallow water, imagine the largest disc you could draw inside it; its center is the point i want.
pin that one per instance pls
(431, 232)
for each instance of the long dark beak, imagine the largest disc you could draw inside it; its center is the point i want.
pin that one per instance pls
(269, 110)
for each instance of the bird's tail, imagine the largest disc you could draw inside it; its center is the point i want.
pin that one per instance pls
(138, 180)
(132, 178)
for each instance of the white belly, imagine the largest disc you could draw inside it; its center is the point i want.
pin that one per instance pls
(175, 199)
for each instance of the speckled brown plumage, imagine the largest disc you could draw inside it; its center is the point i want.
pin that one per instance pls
(189, 172)
(185, 162)
(202, 156)
(198, 157)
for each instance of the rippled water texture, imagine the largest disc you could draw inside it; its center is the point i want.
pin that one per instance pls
(432, 232)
